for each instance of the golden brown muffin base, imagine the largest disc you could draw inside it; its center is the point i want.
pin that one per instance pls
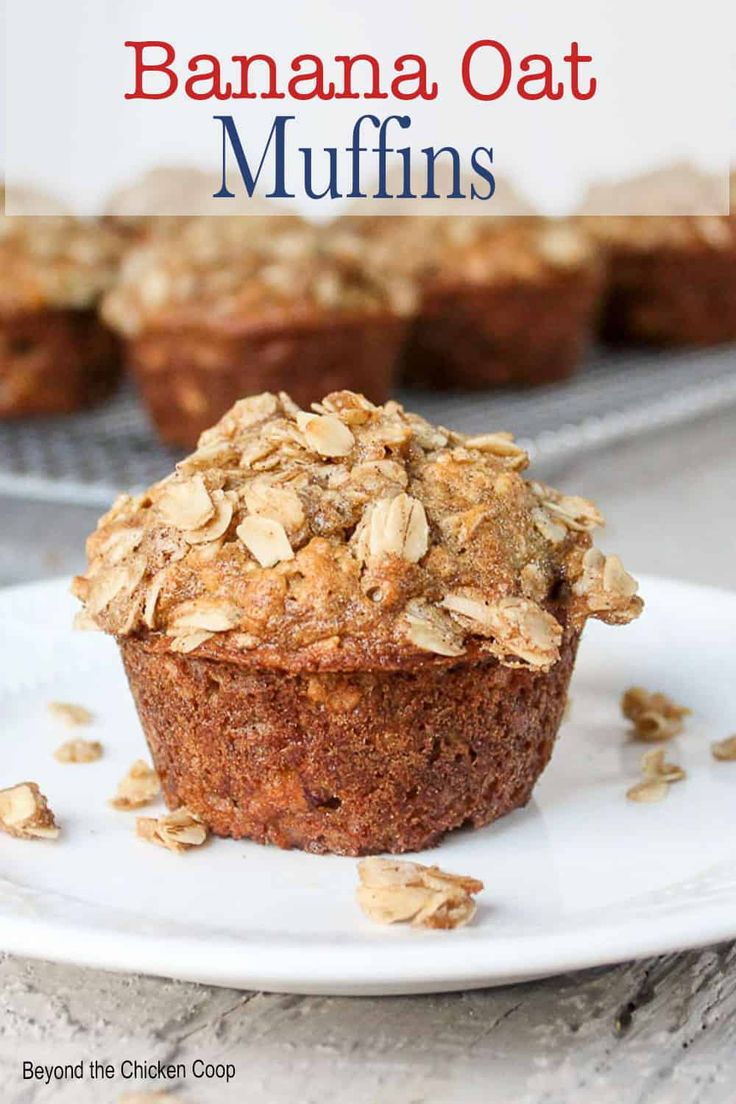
(671, 297)
(55, 362)
(189, 377)
(351, 763)
(502, 334)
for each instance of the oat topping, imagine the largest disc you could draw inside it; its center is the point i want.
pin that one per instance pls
(431, 631)
(25, 813)
(654, 716)
(645, 233)
(266, 539)
(394, 526)
(571, 511)
(56, 261)
(325, 434)
(669, 202)
(225, 269)
(394, 540)
(725, 750)
(187, 505)
(206, 614)
(79, 751)
(606, 586)
(500, 444)
(469, 250)
(139, 787)
(177, 831)
(393, 891)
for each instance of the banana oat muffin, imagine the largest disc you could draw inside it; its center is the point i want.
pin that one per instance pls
(345, 629)
(503, 300)
(670, 278)
(55, 354)
(230, 306)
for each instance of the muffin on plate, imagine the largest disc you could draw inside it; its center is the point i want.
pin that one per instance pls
(345, 629)
(55, 354)
(235, 305)
(670, 278)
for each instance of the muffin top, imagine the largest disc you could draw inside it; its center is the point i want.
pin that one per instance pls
(524, 249)
(468, 250)
(173, 196)
(350, 537)
(180, 191)
(681, 190)
(54, 261)
(236, 271)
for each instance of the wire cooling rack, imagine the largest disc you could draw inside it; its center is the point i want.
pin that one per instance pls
(86, 459)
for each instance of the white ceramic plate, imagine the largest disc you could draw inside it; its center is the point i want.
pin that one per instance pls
(581, 877)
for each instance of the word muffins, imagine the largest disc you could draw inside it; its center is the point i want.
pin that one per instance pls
(346, 629)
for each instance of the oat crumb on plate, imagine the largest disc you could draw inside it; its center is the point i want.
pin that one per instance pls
(648, 791)
(658, 776)
(139, 787)
(25, 813)
(654, 715)
(393, 891)
(654, 766)
(725, 750)
(71, 713)
(78, 751)
(177, 831)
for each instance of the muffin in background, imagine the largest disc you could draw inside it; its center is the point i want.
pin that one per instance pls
(670, 278)
(56, 356)
(173, 195)
(503, 301)
(506, 297)
(230, 306)
(347, 629)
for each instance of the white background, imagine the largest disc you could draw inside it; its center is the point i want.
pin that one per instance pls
(663, 72)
